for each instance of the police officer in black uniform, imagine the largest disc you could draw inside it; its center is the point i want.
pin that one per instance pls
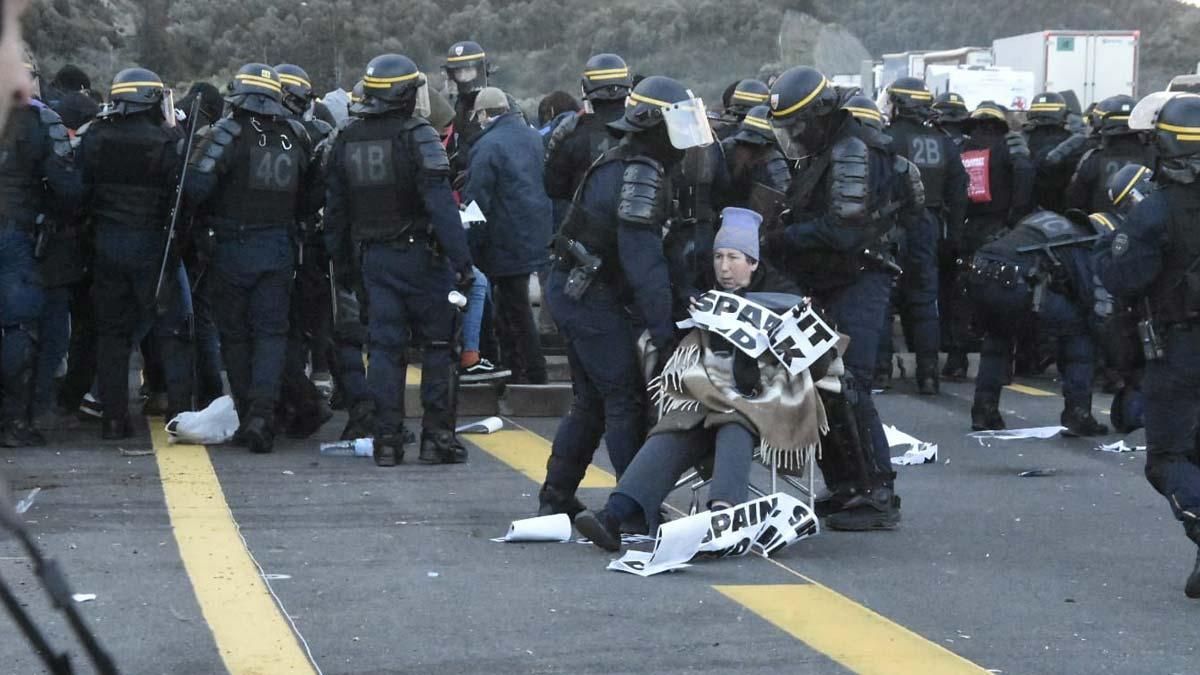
(1155, 254)
(1119, 146)
(697, 183)
(759, 174)
(582, 137)
(466, 74)
(846, 198)
(747, 94)
(389, 202)
(130, 168)
(949, 114)
(1045, 128)
(37, 179)
(999, 192)
(253, 178)
(611, 278)
(937, 156)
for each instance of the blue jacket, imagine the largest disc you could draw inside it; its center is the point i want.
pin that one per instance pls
(505, 177)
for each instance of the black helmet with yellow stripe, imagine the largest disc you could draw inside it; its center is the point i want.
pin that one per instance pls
(256, 88)
(909, 96)
(662, 101)
(746, 95)
(950, 107)
(989, 113)
(391, 82)
(1111, 115)
(606, 78)
(803, 103)
(135, 90)
(755, 127)
(1048, 109)
(466, 66)
(1177, 129)
(865, 111)
(1129, 186)
(297, 87)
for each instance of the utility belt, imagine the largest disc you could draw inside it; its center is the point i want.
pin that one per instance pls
(231, 230)
(581, 266)
(983, 269)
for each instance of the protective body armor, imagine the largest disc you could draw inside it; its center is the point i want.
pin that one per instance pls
(1041, 228)
(574, 144)
(268, 163)
(131, 160)
(29, 131)
(927, 148)
(1109, 158)
(380, 158)
(1175, 294)
(993, 149)
(751, 165)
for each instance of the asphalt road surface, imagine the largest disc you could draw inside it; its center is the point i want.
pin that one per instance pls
(216, 560)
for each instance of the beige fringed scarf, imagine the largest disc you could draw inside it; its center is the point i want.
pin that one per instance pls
(786, 414)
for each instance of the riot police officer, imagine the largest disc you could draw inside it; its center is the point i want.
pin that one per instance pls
(1119, 146)
(844, 202)
(1045, 128)
(582, 137)
(37, 180)
(950, 113)
(747, 94)
(1154, 255)
(759, 174)
(253, 178)
(610, 270)
(945, 182)
(697, 183)
(466, 69)
(389, 200)
(1040, 273)
(1000, 177)
(130, 166)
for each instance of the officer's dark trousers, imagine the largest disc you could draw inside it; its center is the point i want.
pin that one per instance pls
(124, 278)
(517, 331)
(1002, 311)
(1172, 389)
(309, 333)
(916, 295)
(349, 339)
(54, 334)
(251, 290)
(606, 380)
(408, 288)
(81, 355)
(21, 299)
(209, 386)
(857, 309)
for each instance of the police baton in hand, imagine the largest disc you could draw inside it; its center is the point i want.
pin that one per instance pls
(173, 227)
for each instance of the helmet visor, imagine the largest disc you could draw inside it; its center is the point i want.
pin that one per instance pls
(788, 139)
(423, 107)
(687, 124)
(464, 75)
(1145, 113)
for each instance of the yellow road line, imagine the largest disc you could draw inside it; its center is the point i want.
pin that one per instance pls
(845, 631)
(248, 627)
(1031, 391)
(414, 375)
(527, 452)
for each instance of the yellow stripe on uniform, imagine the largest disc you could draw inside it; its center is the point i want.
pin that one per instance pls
(385, 82)
(915, 93)
(1031, 391)
(527, 452)
(981, 112)
(865, 112)
(1136, 177)
(248, 627)
(1103, 220)
(852, 635)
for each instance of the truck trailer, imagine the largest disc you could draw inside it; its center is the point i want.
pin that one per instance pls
(1095, 64)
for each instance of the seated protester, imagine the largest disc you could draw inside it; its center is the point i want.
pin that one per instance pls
(770, 407)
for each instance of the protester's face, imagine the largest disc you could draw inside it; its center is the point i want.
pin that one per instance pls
(16, 86)
(733, 268)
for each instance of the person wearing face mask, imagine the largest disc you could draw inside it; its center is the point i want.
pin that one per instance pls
(760, 403)
(466, 70)
(505, 178)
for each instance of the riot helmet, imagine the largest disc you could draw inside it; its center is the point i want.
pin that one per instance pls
(989, 113)
(949, 107)
(909, 97)
(1176, 137)
(803, 104)
(1112, 115)
(746, 95)
(135, 90)
(1047, 109)
(605, 78)
(755, 127)
(863, 109)
(662, 101)
(256, 88)
(297, 88)
(393, 82)
(466, 67)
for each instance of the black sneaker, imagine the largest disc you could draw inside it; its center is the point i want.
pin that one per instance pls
(21, 434)
(90, 406)
(985, 416)
(1079, 422)
(876, 512)
(484, 371)
(258, 436)
(1192, 588)
(599, 528)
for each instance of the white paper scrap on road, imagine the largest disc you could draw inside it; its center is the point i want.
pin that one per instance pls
(472, 214)
(677, 542)
(543, 528)
(489, 425)
(1015, 434)
(916, 451)
(764, 525)
(1119, 446)
(26, 503)
(83, 597)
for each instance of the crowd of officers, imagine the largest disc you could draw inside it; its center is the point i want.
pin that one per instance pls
(260, 225)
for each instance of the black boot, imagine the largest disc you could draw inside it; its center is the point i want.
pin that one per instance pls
(441, 447)
(599, 528)
(19, 433)
(361, 421)
(310, 419)
(985, 413)
(389, 450)
(552, 500)
(114, 428)
(833, 499)
(1077, 418)
(956, 366)
(927, 377)
(877, 509)
(258, 436)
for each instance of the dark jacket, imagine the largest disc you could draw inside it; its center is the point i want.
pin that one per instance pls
(505, 177)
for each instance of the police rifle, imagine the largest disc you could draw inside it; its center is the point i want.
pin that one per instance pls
(173, 227)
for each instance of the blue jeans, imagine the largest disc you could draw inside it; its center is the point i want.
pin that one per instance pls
(1172, 389)
(21, 302)
(473, 318)
(606, 379)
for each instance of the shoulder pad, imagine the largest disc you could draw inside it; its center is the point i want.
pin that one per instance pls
(779, 171)
(223, 134)
(642, 192)
(324, 129)
(849, 169)
(1016, 144)
(428, 146)
(560, 133)
(59, 137)
(300, 132)
(911, 176)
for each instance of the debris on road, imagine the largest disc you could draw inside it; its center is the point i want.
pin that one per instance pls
(1016, 434)
(542, 528)
(916, 451)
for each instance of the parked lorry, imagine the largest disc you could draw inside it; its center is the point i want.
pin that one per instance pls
(1013, 89)
(1094, 64)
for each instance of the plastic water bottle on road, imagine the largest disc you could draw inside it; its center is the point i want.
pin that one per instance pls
(361, 447)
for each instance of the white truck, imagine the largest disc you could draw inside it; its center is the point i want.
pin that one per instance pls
(1095, 64)
(1013, 89)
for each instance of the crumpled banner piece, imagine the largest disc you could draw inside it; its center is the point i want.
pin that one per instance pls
(1015, 434)
(916, 451)
(677, 542)
(543, 528)
(1119, 446)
